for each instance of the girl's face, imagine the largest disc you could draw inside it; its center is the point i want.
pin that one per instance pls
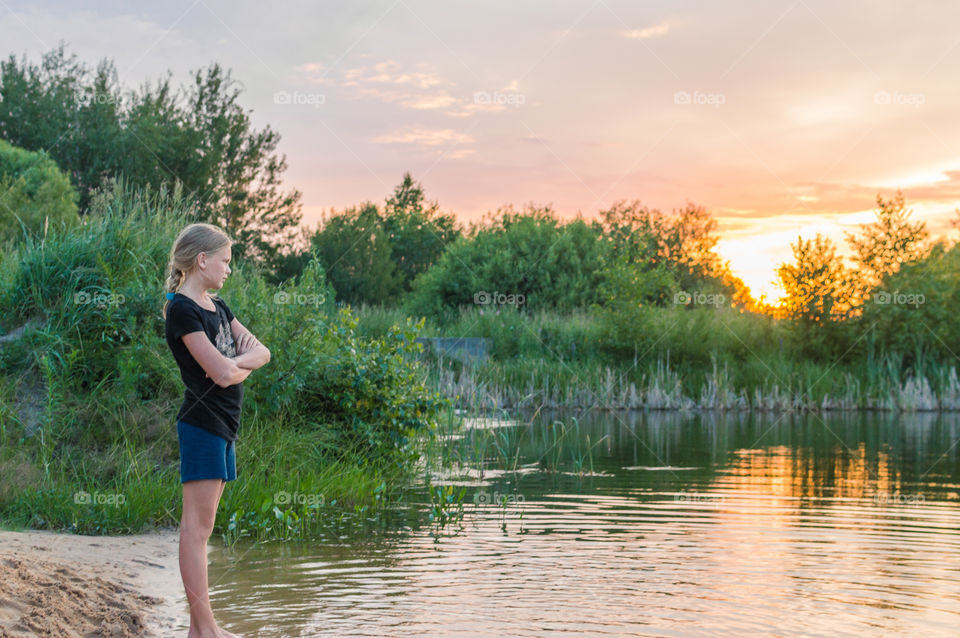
(214, 268)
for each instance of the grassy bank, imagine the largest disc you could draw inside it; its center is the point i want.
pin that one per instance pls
(286, 489)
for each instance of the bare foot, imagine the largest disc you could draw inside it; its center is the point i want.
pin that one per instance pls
(226, 634)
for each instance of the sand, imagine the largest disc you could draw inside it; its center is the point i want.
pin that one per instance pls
(85, 586)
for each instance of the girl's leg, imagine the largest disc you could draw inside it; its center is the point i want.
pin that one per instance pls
(200, 500)
(223, 632)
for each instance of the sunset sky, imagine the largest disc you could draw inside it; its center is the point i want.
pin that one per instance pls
(781, 118)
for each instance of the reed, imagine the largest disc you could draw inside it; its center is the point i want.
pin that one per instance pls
(538, 360)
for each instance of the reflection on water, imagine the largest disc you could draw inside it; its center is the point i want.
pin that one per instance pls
(690, 525)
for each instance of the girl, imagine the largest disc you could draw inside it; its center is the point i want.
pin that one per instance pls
(215, 353)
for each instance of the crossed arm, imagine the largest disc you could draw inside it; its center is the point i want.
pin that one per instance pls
(251, 354)
(227, 371)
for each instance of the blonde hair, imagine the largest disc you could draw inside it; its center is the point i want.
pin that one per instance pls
(192, 240)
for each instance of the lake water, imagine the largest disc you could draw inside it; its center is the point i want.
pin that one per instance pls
(688, 525)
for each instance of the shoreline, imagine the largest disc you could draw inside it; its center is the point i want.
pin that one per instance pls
(54, 583)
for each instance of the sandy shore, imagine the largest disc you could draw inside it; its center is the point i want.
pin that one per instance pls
(67, 585)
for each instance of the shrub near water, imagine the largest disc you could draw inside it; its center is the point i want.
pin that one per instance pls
(91, 390)
(362, 394)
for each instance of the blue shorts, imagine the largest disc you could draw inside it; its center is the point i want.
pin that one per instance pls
(204, 455)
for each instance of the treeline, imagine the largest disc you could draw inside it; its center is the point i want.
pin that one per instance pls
(407, 254)
(156, 135)
(626, 266)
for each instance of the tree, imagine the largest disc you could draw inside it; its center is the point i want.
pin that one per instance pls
(631, 230)
(683, 243)
(353, 248)
(891, 240)
(915, 316)
(817, 284)
(234, 170)
(417, 232)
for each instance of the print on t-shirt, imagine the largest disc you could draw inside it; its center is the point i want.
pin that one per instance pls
(225, 341)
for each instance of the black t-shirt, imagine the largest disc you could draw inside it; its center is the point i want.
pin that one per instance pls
(205, 404)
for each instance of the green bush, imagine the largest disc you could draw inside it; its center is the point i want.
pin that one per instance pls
(371, 391)
(531, 255)
(914, 310)
(34, 194)
(361, 392)
(355, 249)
